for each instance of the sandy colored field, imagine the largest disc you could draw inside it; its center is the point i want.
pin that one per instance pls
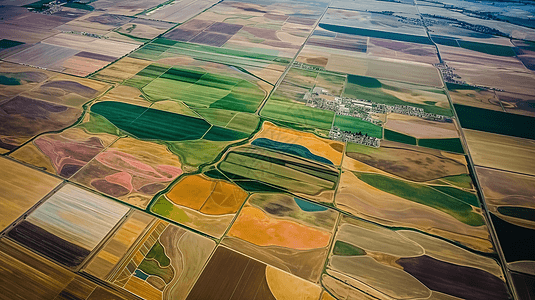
(332, 150)
(121, 70)
(82, 66)
(307, 264)
(288, 287)
(420, 128)
(68, 90)
(27, 275)
(406, 161)
(125, 236)
(126, 94)
(22, 187)
(214, 197)
(213, 225)
(500, 72)
(131, 170)
(388, 280)
(510, 190)
(504, 188)
(84, 43)
(416, 94)
(404, 71)
(448, 252)
(255, 226)
(402, 50)
(63, 153)
(376, 239)
(29, 79)
(341, 290)
(177, 107)
(143, 289)
(501, 152)
(477, 98)
(365, 201)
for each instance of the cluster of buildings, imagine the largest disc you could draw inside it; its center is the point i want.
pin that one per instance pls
(355, 137)
(363, 109)
(448, 73)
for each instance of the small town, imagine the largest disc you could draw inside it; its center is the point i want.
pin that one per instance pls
(363, 109)
(355, 137)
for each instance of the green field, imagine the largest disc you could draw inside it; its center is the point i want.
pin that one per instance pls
(356, 125)
(368, 88)
(426, 195)
(151, 124)
(399, 137)
(451, 145)
(495, 121)
(298, 113)
(200, 89)
(196, 153)
(346, 249)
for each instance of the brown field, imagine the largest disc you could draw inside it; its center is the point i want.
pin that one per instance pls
(402, 50)
(121, 70)
(506, 73)
(501, 152)
(23, 118)
(131, 170)
(328, 149)
(261, 282)
(112, 252)
(365, 201)
(420, 128)
(26, 275)
(19, 191)
(126, 94)
(179, 12)
(406, 161)
(403, 71)
(477, 98)
(517, 103)
(502, 188)
(29, 78)
(68, 90)
(64, 153)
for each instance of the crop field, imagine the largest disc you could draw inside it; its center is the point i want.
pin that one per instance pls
(59, 227)
(267, 149)
(379, 249)
(289, 233)
(263, 282)
(256, 169)
(201, 202)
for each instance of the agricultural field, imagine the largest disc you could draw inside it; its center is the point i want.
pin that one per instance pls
(72, 54)
(68, 225)
(163, 263)
(263, 170)
(17, 195)
(509, 198)
(501, 151)
(267, 149)
(263, 281)
(397, 264)
(285, 231)
(441, 202)
(202, 202)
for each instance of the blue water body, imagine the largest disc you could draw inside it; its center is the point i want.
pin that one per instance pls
(140, 274)
(309, 206)
(290, 149)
